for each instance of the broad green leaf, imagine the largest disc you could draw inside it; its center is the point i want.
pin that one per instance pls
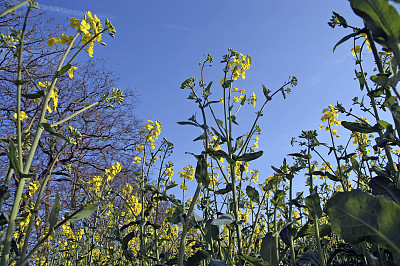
(324, 230)
(211, 232)
(201, 173)
(253, 194)
(224, 219)
(268, 249)
(360, 127)
(304, 230)
(313, 204)
(380, 79)
(309, 258)
(286, 231)
(247, 157)
(197, 258)
(47, 127)
(84, 212)
(383, 20)
(382, 186)
(358, 216)
(219, 154)
(217, 262)
(174, 214)
(252, 261)
(54, 212)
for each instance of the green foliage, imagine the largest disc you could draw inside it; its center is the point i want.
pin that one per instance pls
(358, 216)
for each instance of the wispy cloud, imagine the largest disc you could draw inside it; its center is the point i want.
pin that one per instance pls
(175, 27)
(72, 12)
(62, 10)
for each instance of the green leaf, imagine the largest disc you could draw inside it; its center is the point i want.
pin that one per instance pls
(225, 190)
(233, 119)
(380, 79)
(127, 238)
(35, 95)
(84, 212)
(137, 222)
(358, 216)
(309, 258)
(313, 204)
(188, 123)
(361, 79)
(266, 93)
(324, 230)
(247, 157)
(279, 198)
(268, 249)
(174, 214)
(216, 155)
(383, 20)
(201, 173)
(47, 127)
(359, 127)
(252, 261)
(347, 37)
(239, 143)
(253, 194)
(63, 70)
(197, 258)
(212, 232)
(382, 186)
(224, 219)
(12, 156)
(54, 212)
(227, 83)
(104, 98)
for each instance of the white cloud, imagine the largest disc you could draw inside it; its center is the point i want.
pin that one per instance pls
(72, 12)
(62, 10)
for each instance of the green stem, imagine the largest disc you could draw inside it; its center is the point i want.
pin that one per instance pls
(38, 202)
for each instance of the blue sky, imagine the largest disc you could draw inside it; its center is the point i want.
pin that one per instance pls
(159, 44)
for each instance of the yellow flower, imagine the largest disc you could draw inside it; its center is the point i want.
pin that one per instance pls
(71, 71)
(137, 159)
(183, 186)
(22, 114)
(84, 27)
(89, 50)
(242, 91)
(236, 99)
(253, 99)
(356, 50)
(75, 23)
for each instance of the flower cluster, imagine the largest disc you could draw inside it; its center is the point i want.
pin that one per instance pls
(239, 65)
(152, 130)
(331, 114)
(90, 28)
